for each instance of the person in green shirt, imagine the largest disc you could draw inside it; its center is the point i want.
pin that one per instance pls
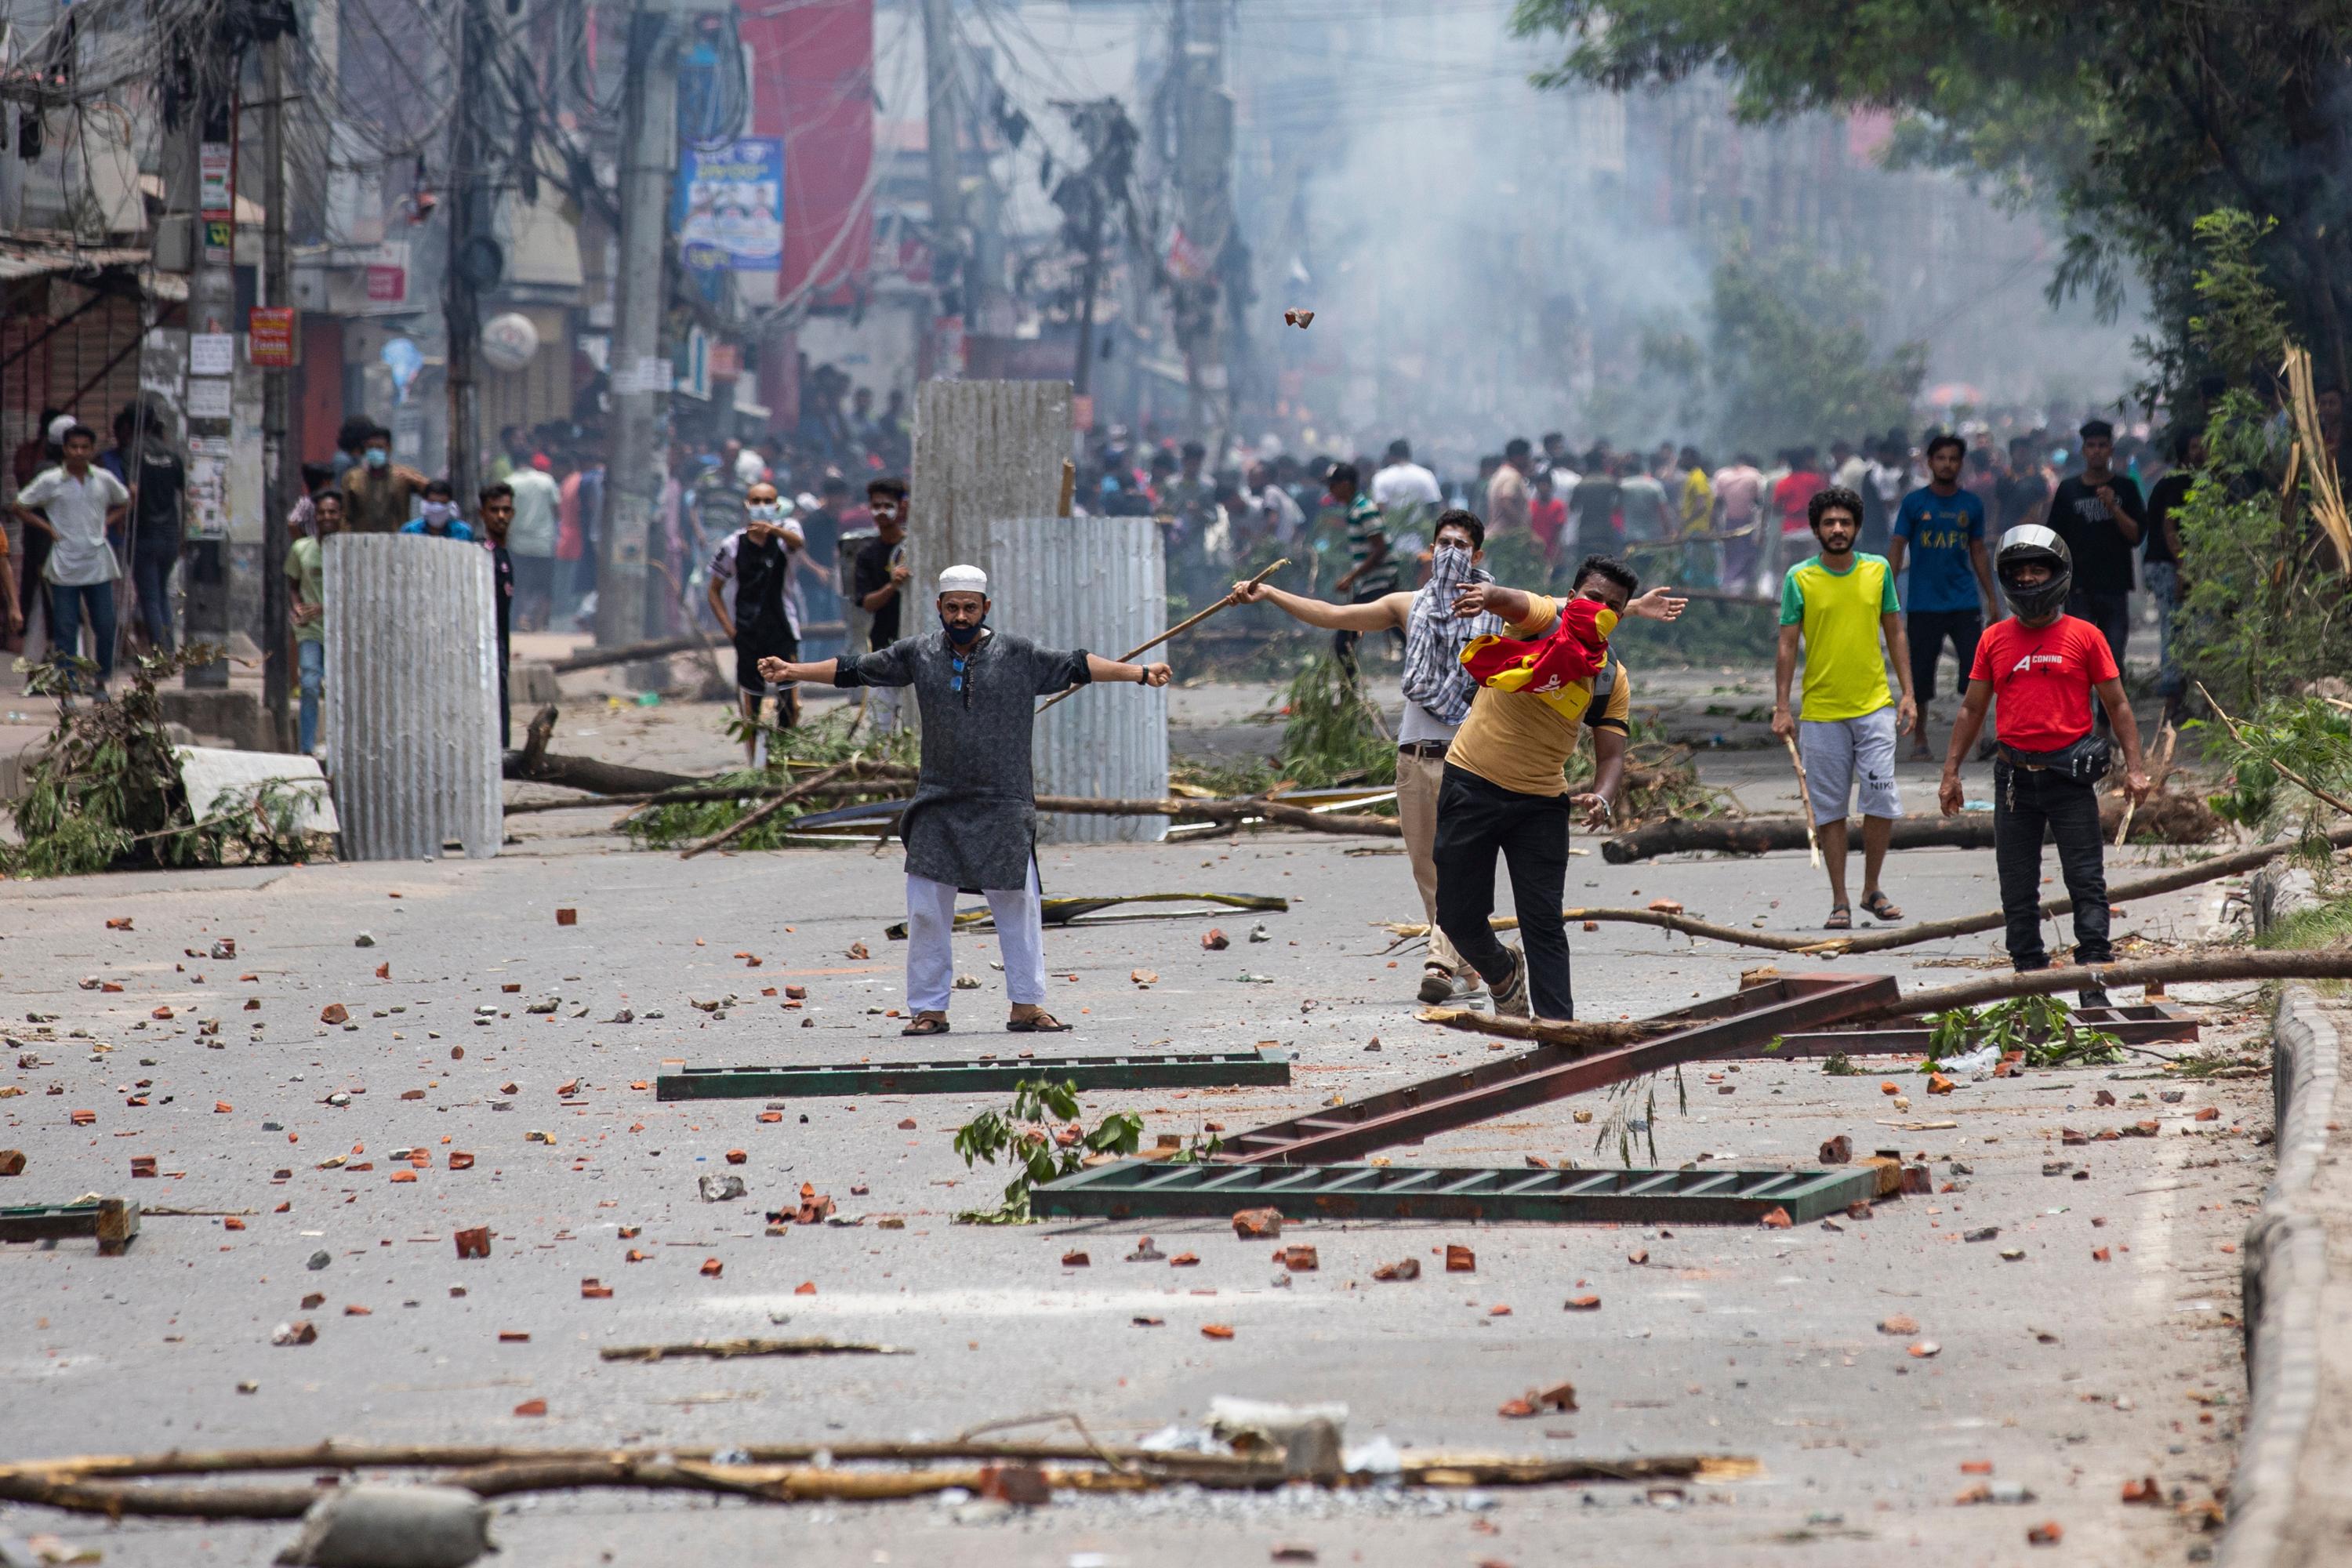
(306, 574)
(1841, 604)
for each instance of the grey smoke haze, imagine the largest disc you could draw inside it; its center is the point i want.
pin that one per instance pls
(1484, 256)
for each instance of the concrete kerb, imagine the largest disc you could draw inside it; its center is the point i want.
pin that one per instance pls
(2284, 1270)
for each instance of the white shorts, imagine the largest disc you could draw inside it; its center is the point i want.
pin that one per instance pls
(1843, 753)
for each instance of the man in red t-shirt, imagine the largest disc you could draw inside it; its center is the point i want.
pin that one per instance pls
(2043, 665)
(1792, 498)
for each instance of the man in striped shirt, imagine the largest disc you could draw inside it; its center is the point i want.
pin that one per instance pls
(1374, 574)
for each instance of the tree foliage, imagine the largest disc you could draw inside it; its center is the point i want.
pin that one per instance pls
(2263, 609)
(2129, 119)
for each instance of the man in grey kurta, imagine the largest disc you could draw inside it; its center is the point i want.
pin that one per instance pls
(972, 822)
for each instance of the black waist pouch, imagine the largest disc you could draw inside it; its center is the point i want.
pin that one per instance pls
(2086, 761)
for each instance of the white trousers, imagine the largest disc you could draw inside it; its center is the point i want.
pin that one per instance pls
(885, 711)
(930, 953)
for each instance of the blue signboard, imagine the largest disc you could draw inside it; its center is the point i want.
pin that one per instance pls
(729, 211)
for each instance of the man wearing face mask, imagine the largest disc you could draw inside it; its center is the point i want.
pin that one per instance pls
(762, 623)
(972, 821)
(877, 579)
(2043, 665)
(1437, 693)
(378, 493)
(436, 515)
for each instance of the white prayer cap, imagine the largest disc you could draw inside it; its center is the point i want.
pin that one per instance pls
(58, 427)
(965, 580)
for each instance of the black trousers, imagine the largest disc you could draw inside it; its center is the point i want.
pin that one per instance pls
(1478, 820)
(1929, 630)
(2111, 613)
(2026, 802)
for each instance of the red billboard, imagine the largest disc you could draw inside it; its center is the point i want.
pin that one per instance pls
(812, 87)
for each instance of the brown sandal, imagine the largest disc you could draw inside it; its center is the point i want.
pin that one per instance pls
(1038, 1023)
(927, 1023)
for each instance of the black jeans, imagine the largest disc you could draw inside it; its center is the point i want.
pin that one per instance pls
(2111, 613)
(1476, 820)
(151, 579)
(1929, 630)
(2026, 801)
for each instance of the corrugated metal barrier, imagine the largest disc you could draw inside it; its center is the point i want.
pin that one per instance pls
(1099, 583)
(411, 719)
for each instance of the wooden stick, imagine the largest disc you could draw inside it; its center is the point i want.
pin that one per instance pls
(2288, 773)
(1805, 799)
(2163, 767)
(728, 1350)
(1187, 624)
(1545, 1031)
(752, 818)
(2241, 964)
(1069, 488)
(774, 1474)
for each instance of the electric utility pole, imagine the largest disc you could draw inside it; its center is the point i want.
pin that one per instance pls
(638, 369)
(278, 465)
(949, 261)
(461, 309)
(1204, 150)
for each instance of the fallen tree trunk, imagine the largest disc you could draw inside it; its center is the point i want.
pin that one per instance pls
(597, 778)
(2164, 819)
(2240, 964)
(627, 653)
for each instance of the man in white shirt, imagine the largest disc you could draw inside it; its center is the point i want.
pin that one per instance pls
(78, 502)
(531, 540)
(1402, 483)
(1437, 695)
(1280, 517)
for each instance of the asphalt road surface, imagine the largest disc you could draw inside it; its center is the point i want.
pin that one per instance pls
(2065, 1375)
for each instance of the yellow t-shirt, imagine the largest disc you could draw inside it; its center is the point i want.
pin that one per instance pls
(1845, 676)
(1520, 742)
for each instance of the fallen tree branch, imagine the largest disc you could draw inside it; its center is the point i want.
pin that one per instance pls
(628, 653)
(885, 812)
(1063, 909)
(752, 820)
(1354, 825)
(2166, 818)
(2237, 733)
(771, 1473)
(729, 1350)
(2239, 964)
(1544, 1031)
(2168, 881)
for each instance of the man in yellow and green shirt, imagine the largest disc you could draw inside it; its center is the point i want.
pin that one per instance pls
(1841, 604)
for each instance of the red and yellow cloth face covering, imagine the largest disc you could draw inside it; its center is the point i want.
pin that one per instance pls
(1557, 667)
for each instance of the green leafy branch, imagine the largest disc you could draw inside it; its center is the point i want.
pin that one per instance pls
(2043, 1027)
(1025, 1136)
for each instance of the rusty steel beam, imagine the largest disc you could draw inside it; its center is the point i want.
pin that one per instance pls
(1756, 1014)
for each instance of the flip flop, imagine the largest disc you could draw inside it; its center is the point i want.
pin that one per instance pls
(926, 1025)
(1880, 905)
(1841, 919)
(1036, 1023)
